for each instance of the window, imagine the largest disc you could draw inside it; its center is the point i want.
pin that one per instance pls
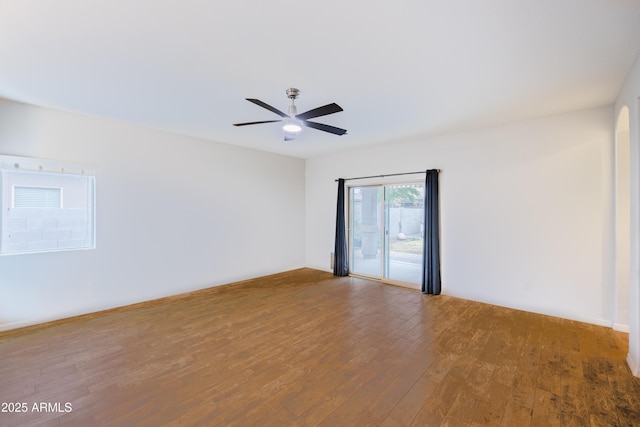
(45, 206)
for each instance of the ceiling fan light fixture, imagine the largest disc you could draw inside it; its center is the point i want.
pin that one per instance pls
(291, 125)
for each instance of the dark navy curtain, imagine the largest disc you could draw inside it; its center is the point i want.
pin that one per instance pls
(340, 262)
(431, 250)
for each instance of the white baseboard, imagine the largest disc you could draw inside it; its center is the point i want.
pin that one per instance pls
(320, 268)
(15, 325)
(620, 327)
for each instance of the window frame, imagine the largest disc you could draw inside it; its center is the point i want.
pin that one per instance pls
(69, 227)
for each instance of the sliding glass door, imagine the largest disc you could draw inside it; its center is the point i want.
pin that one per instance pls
(386, 231)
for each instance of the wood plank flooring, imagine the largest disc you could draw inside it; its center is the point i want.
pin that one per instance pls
(304, 348)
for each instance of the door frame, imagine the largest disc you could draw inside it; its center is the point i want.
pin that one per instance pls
(383, 233)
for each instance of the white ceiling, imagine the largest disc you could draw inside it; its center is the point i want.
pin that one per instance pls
(399, 69)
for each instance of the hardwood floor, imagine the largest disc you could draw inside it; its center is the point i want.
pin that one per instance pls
(305, 348)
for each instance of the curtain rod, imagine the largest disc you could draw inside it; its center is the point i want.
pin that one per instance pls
(384, 176)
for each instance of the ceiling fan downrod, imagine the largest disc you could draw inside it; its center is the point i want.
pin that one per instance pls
(292, 94)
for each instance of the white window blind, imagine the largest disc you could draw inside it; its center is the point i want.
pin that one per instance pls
(37, 197)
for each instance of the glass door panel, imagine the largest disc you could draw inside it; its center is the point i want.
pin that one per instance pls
(404, 231)
(365, 230)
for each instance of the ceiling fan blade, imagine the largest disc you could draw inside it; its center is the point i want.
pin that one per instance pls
(256, 123)
(267, 106)
(326, 128)
(320, 111)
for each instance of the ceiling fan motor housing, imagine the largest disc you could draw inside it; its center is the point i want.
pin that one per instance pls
(293, 93)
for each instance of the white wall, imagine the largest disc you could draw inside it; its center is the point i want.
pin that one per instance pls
(526, 210)
(174, 214)
(630, 97)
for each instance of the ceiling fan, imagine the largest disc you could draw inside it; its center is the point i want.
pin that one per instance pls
(292, 123)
